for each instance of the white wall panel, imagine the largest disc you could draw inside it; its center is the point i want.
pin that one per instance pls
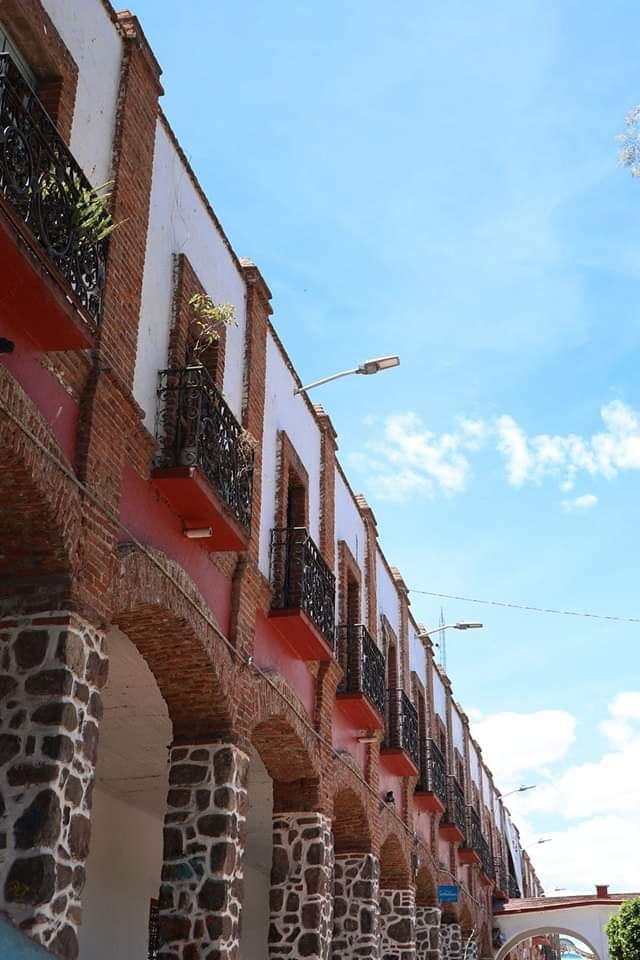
(180, 223)
(94, 43)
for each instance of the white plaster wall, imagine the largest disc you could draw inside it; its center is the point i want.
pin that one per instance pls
(458, 731)
(284, 411)
(474, 764)
(439, 697)
(417, 656)
(254, 940)
(588, 921)
(123, 875)
(95, 45)
(388, 603)
(351, 529)
(180, 223)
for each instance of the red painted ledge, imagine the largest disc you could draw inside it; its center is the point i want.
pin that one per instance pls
(306, 641)
(468, 855)
(193, 498)
(451, 833)
(428, 802)
(359, 711)
(398, 762)
(34, 294)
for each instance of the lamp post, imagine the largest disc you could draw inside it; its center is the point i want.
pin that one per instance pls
(459, 625)
(519, 790)
(367, 368)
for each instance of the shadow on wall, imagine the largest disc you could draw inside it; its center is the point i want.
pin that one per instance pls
(14, 944)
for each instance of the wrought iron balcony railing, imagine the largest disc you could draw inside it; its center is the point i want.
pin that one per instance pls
(456, 806)
(362, 662)
(196, 428)
(302, 580)
(43, 188)
(433, 770)
(514, 889)
(473, 830)
(501, 875)
(402, 725)
(486, 860)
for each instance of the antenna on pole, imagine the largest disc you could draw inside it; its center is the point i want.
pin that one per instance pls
(443, 641)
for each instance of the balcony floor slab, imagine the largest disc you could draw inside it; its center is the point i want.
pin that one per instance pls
(428, 802)
(356, 707)
(398, 762)
(306, 641)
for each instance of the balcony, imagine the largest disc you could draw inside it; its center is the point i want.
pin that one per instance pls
(204, 466)
(304, 589)
(52, 276)
(514, 889)
(501, 890)
(487, 872)
(454, 821)
(431, 790)
(400, 748)
(361, 691)
(470, 851)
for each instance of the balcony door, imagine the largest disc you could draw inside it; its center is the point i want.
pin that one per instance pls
(8, 46)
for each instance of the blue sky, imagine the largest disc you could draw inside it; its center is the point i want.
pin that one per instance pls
(440, 181)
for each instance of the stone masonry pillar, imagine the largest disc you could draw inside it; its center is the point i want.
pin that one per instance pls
(469, 945)
(201, 891)
(301, 887)
(356, 907)
(428, 933)
(450, 941)
(52, 668)
(398, 924)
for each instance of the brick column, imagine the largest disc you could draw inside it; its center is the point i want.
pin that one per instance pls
(450, 941)
(301, 887)
(52, 667)
(398, 924)
(356, 907)
(201, 892)
(370, 568)
(328, 448)
(428, 933)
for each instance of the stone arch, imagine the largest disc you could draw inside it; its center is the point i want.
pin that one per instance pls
(351, 833)
(426, 888)
(540, 932)
(43, 522)
(394, 867)
(191, 663)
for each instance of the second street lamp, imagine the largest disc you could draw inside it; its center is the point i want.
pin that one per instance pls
(459, 625)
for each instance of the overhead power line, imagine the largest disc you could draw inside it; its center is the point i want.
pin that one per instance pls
(527, 607)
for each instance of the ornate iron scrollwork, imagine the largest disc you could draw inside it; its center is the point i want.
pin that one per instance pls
(43, 184)
(433, 770)
(486, 859)
(402, 725)
(196, 428)
(456, 807)
(363, 664)
(474, 830)
(302, 580)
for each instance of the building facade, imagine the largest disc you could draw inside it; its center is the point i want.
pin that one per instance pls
(222, 733)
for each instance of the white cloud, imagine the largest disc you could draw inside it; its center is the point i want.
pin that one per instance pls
(580, 504)
(516, 743)
(410, 459)
(593, 808)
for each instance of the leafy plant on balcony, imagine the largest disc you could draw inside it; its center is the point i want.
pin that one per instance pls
(209, 318)
(623, 931)
(89, 217)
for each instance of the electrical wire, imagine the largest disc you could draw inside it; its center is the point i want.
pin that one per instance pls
(245, 661)
(528, 608)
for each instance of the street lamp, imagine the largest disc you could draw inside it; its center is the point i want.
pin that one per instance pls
(519, 790)
(459, 625)
(366, 368)
(547, 840)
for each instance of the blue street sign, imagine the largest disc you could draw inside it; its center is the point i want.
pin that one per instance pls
(448, 892)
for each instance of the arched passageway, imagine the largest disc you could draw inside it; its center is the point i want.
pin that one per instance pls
(545, 943)
(129, 805)
(397, 900)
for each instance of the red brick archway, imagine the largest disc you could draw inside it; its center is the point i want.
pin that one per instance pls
(426, 892)
(351, 833)
(190, 661)
(394, 868)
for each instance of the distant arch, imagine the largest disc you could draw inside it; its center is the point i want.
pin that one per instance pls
(351, 833)
(426, 892)
(394, 869)
(541, 931)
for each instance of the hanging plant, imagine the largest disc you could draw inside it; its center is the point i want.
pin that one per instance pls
(89, 217)
(209, 318)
